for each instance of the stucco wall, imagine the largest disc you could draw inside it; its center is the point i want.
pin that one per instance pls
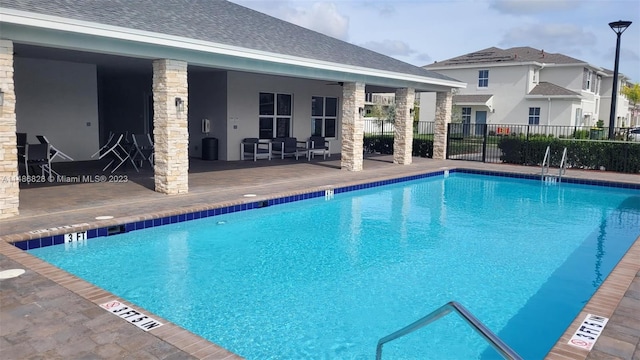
(207, 100)
(58, 100)
(243, 102)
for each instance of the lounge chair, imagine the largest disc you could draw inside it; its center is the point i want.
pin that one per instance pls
(289, 146)
(317, 145)
(255, 149)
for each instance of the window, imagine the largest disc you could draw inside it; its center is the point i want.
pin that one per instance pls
(275, 115)
(324, 113)
(578, 116)
(483, 78)
(466, 115)
(534, 116)
(589, 84)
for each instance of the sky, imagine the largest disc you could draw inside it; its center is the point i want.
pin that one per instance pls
(420, 32)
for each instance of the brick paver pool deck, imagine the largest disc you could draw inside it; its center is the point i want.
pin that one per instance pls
(47, 313)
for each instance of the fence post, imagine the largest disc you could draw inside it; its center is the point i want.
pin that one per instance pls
(448, 140)
(484, 143)
(526, 146)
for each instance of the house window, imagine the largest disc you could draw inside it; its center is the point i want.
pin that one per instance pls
(483, 78)
(590, 85)
(466, 115)
(598, 82)
(534, 116)
(324, 113)
(275, 115)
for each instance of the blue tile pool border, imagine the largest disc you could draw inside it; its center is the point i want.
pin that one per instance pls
(172, 219)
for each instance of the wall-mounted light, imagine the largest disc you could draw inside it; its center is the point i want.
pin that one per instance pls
(1, 98)
(361, 111)
(411, 111)
(179, 105)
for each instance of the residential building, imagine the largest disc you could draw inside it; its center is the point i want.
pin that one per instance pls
(184, 72)
(626, 115)
(523, 85)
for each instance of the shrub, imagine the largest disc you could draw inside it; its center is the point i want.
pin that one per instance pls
(383, 144)
(612, 156)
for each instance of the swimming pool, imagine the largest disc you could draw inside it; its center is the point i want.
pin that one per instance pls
(327, 278)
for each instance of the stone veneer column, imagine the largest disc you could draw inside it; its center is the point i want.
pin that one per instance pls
(171, 136)
(352, 126)
(443, 118)
(403, 134)
(9, 185)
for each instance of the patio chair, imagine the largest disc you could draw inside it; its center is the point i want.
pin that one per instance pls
(118, 152)
(317, 145)
(37, 155)
(255, 149)
(142, 148)
(21, 140)
(104, 147)
(54, 151)
(289, 146)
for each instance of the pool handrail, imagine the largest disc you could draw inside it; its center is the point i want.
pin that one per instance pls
(546, 162)
(499, 345)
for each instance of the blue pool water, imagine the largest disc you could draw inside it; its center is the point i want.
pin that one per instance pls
(327, 278)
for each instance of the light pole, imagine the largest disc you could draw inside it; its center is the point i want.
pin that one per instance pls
(618, 27)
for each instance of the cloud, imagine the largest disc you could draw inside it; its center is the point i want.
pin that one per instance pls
(390, 47)
(564, 38)
(524, 7)
(320, 16)
(424, 58)
(384, 8)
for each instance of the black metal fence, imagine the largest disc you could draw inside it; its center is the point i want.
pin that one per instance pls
(479, 142)
(588, 148)
(379, 135)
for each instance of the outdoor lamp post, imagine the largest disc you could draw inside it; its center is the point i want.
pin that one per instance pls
(619, 27)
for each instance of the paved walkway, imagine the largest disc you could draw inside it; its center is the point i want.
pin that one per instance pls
(48, 313)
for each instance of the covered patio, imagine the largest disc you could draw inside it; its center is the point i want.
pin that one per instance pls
(76, 74)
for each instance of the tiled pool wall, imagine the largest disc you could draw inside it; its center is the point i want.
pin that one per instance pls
(172, 219)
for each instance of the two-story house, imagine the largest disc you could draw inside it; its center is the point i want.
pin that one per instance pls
(523, 85)
(626, 115)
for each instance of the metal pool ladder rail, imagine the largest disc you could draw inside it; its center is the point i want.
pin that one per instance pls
(546, 162)
(499, 345)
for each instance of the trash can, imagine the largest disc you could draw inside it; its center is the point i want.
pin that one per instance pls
(209, 149)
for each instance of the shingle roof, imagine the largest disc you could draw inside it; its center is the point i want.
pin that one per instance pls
(481, 99)
(220, 22)
(549, 89)
(514, 55)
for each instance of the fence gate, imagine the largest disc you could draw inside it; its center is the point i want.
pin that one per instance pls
(467, 142)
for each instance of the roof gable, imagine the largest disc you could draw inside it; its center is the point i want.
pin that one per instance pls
(221, 22)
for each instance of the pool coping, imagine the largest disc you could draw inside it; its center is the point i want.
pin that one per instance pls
(603, 302)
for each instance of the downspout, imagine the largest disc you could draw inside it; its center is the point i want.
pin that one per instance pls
(548, 115)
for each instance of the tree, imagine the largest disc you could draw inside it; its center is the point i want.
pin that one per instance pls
(632, 93)
(456, 111)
